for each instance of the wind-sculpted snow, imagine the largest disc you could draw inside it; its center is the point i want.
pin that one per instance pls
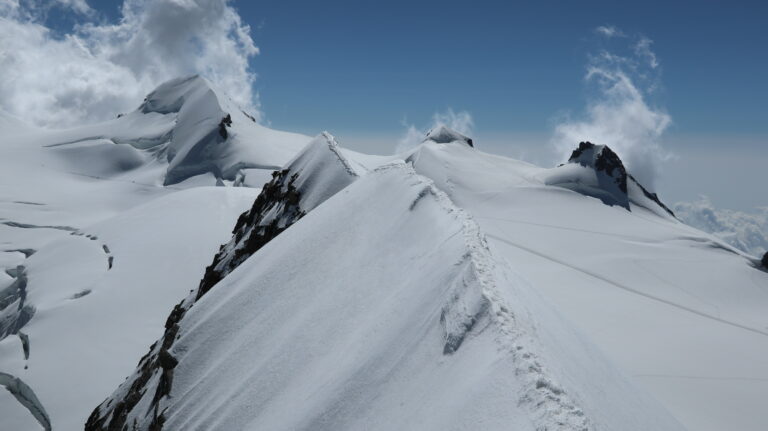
(383, 308)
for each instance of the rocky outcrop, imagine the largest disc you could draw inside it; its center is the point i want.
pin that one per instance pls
(652, 196)
(603, 160)
(604, 178)
(608, 180)
(764, 260)
(275, 209)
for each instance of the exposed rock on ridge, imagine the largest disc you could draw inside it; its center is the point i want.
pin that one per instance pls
(314, 175)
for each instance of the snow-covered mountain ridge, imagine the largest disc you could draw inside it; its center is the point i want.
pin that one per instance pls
(187, 129)
(463, 310)
(441, 288)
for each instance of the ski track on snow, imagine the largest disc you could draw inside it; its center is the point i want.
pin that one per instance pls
(630, 289)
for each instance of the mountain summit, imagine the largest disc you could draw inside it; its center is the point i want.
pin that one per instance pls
(186, 127)
(444, 135)
(597, 171)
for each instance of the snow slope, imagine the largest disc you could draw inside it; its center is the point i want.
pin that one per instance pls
(386, 308)
(382, 309)
(681, 311)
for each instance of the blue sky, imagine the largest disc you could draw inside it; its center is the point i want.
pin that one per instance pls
(364, 70)
(364, 65)
(512, 65)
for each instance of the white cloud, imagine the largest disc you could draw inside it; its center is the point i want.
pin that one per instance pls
(643, 49)
(459, 121)
(745, 231)
(100, 69)
(79, 6)
(618, 113)
(609, 31)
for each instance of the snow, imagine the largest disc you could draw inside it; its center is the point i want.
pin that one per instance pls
(180, 130)
(110, 250)
(159, 254)
(680, 311)
(403, 322)
(441, 288)
(322, 171)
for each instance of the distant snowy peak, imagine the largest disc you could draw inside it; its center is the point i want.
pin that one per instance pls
(597, 171)
(187, 127)
(171, 96)
(443, 135)
(214, 135)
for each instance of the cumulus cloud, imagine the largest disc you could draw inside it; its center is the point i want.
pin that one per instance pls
(745, 231)
(618, 112)
(459, 121)
(100, 69)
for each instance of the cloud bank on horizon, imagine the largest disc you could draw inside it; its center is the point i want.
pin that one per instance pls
(622, 75)
(100, 69)
(746, 231)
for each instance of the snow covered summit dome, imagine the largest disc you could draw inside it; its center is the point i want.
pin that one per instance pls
(444, 135)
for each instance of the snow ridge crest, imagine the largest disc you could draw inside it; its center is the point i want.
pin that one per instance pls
(334, 147)
(475, 297)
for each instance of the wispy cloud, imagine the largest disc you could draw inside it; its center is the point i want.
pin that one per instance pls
(643, 50)
(618, 113)
(609, 31)
(100, 69)
(79, 6)
(459, 121)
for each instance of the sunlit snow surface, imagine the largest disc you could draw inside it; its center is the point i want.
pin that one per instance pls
(444, 288)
